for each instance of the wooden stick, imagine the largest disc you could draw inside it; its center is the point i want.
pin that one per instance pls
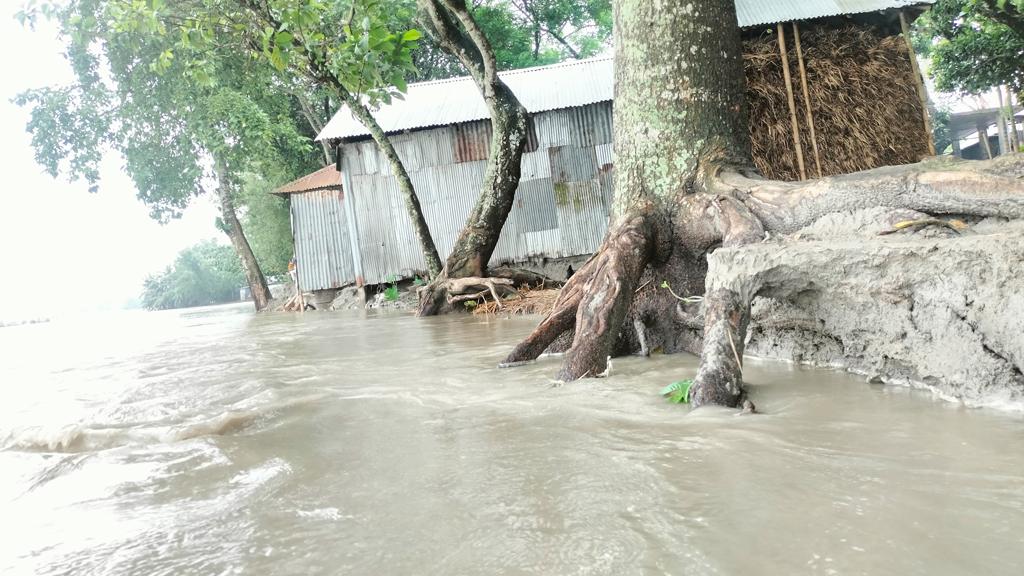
(922, 93)
(983, 142)
(807, 97)
(1001, 126)
(1014, 135)
(792, 103)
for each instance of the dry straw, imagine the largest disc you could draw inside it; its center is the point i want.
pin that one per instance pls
(529, 301)
(863, 99)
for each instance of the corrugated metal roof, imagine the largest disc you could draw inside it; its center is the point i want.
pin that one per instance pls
(326, 178)
(758, 12)
(457, 100)
(564, 85)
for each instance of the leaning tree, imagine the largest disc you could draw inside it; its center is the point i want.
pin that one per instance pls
(456, 31)
(685, 187)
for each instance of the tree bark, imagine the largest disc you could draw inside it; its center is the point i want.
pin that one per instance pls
(456, 32)
(233, 228)
(684, 187)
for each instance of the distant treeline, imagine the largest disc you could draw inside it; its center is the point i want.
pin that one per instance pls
(207, 273)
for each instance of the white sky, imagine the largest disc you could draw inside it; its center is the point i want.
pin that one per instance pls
(62, 248)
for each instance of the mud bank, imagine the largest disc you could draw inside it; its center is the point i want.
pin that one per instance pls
(932, 308)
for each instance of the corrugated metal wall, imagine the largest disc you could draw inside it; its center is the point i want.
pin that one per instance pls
(561, 206)
(323, 243)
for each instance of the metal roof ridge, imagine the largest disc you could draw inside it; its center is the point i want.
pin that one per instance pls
(513, 72)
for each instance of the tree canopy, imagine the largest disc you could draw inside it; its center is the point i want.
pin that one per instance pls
(974, 45)
(207, 273)
(169, 117)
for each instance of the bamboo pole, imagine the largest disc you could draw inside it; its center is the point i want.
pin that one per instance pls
(792, 103)
(1001, 126)
(807, 97)
(1015, 140)
(922, 93)
(983, 142)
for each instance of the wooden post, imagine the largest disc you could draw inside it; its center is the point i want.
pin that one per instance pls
(1002, 130)
(1015, 142)
(922, 93)
(792, 103)
(983, 142)
(807, 97)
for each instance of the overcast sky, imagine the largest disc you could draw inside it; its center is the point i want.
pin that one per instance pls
(62, 248)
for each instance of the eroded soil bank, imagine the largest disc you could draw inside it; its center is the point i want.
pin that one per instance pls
(930, 307)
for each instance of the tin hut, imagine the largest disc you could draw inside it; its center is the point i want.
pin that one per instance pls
(322, 230)
(832, 89)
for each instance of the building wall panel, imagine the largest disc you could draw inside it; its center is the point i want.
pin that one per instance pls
(323, 247)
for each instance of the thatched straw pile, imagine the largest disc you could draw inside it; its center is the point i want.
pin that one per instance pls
(863, 98)
(529, 301)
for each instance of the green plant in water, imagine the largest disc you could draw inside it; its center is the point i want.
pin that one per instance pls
(678, 392)
(391, 292)
(470, 304)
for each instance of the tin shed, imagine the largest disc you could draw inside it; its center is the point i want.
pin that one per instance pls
(442, 133)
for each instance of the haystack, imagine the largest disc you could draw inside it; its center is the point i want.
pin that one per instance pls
(865, 107)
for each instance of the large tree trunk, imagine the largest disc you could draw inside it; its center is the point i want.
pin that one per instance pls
(233, 228)
(684, 188)
(456, 32)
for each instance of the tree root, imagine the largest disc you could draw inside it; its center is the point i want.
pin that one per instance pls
(612, 279)
(561, 320)
(734, 209)
(451, 291)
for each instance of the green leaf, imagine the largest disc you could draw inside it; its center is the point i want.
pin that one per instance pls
(678, 392)
(277, 59)
(411, 35)
(283, 39)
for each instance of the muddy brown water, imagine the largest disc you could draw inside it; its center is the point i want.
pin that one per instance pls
(217, 441)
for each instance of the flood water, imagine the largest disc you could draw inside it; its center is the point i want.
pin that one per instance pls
(217, 441)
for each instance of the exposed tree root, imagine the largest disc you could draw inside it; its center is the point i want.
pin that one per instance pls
(445, 293)
(613, 276)
(561, 320)
(609, 304)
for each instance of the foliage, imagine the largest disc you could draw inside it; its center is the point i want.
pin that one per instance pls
(171, 118)
(678, 392)
(207, 273)
(974, 45)
(940, 129)
(266, 218)
(535, 32)
(391, 292)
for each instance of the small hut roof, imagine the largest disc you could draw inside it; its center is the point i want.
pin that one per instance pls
(326, 178)
(567, 84)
